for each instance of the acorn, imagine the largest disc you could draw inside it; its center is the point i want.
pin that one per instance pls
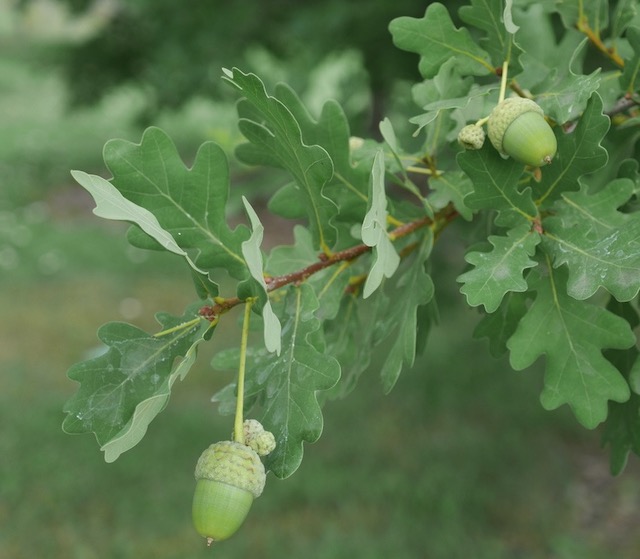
(229, 477)
(471, 137)
(517, 128)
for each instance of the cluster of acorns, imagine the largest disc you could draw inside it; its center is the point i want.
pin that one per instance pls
(516, 128)
(230, 475)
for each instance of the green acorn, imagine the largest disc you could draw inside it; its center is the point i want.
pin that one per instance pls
(229, 477)
(517, 128)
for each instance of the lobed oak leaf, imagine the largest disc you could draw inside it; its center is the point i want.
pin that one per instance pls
(572, 335)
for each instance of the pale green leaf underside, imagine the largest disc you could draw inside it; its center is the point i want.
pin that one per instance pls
(253, 256)
(111, 204)
(122, 390)
(374, 230)
(136, 428)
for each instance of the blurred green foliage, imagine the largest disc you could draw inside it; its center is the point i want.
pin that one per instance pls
(178, 51)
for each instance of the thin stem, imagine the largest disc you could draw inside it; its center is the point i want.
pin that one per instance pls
(238, 431)
(177, 328)
(503, 81)
(584, 27)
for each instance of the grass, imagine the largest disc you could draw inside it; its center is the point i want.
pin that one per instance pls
(458, 461)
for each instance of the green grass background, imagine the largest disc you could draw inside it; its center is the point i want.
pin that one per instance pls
(459, 461)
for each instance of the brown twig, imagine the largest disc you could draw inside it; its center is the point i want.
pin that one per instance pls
(627, 102)
(441, 220)
(584, 27)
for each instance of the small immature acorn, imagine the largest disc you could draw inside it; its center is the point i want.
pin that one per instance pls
(229, 477)
(517, 128)
(256, 438)
(471, 137)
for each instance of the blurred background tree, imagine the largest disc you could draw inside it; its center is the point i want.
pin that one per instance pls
(95, 69)
(178, 53)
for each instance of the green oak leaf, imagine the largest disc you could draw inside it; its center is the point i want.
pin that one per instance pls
(536, 36)
(500, 270)
(564, 94)
(287, 259)
(374, 231)
(349, 185)
(188, 203)
(622, 429)
(253, 256)
(436, 40)
(579, 153)
(572, 335)
(348, 339)
(599, 244)
(630, 169)
(329, 284)
(630, 78)
(495, 181)
(546, 58)
(447, 90)
(275, 139)
(593, 12)
(111, 204)
(500, 325)
(623, 16)
(397, 318)
(494, 18)
(622, 432)
(451, 187)
(395, 164)
(122, 390)
(287, 386)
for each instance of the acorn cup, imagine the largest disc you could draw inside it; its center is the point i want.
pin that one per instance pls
(517, 128)
(229, 475)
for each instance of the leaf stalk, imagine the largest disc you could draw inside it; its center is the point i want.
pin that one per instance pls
(238, 430)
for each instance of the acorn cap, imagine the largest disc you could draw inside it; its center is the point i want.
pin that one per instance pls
(504, 114)
(232, 463)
